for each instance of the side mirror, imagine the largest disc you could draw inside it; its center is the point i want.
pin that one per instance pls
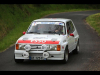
(24, 33)
(71, 34)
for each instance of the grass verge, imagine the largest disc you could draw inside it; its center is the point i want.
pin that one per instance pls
(94, 22)
(21, 22)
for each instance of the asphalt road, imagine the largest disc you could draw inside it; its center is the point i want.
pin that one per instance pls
(88, 58)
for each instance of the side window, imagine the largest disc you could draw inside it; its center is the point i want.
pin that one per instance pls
(70, 27)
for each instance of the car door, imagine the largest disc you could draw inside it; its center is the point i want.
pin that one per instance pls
(70, 32)
(74, 35)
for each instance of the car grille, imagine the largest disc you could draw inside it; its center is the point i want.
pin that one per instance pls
(36, 47)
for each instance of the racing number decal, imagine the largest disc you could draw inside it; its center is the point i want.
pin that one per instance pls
(38, 41)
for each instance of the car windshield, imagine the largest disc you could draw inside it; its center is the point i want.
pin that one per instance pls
(46, 28)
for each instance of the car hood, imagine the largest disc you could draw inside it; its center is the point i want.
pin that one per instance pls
(45, 38)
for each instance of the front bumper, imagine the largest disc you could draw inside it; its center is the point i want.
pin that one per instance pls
(53, 55)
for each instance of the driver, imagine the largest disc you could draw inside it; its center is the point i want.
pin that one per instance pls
(59, 29)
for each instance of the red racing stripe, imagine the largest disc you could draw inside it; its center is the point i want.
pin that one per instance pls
(38, 41)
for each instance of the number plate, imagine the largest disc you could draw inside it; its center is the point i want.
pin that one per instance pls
(37, 58)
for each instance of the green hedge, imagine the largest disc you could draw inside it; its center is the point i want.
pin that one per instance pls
(15, 18)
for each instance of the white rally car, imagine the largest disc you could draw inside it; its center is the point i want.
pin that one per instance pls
(47, 39)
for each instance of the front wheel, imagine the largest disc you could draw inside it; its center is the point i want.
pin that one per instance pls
(66, 54)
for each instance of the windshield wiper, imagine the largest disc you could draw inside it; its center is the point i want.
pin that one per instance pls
(30, 32)
(38, 33)
(49, 32)
(34, 32)
(53, 32)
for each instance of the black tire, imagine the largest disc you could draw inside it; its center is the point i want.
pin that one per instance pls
(76, 50)
(66, 55)
(18, 60)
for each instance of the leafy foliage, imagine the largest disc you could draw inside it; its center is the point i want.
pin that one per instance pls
(15, 18)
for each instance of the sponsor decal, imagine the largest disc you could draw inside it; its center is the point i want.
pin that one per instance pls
(61, 24)
(38, 41)
(47, 22)
(57, 23)
(75, 40)
(34, 23)
(40, 38)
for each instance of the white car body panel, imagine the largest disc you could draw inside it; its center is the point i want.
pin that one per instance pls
(64, 40)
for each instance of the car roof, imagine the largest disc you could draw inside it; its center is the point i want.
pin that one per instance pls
(53, 19)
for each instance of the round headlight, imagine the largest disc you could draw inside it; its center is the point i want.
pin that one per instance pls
(26, 54)
(45, 54)
(27, 47)
(44, 47)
